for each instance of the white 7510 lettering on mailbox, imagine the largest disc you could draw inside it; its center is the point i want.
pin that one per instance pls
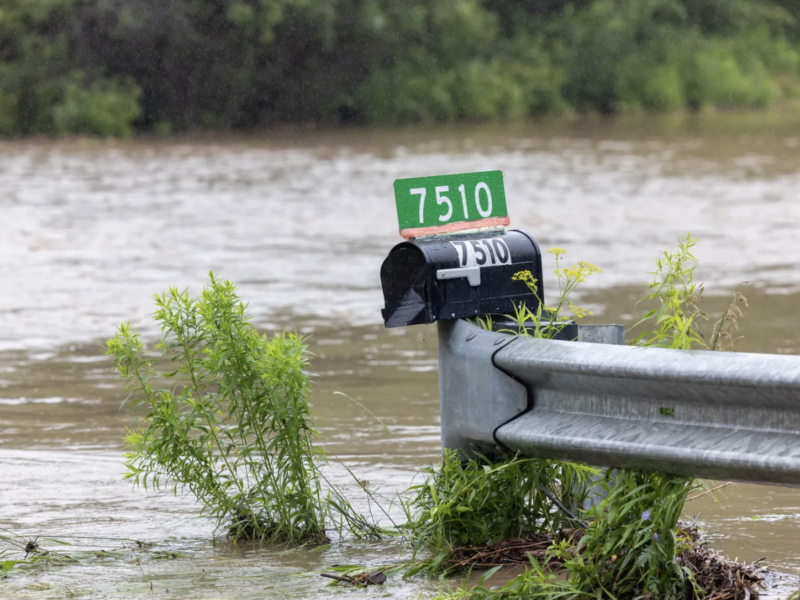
(482, 253)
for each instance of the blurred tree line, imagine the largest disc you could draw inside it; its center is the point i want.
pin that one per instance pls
(108, 67)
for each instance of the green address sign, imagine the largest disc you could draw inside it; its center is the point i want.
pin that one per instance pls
(447, 203)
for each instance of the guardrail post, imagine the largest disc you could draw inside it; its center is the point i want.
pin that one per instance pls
(474, 396)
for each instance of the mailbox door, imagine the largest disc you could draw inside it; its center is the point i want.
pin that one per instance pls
(406, 287)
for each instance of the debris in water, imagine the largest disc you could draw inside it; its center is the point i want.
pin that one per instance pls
(32, 547)
(720, 578)
(509, 552)
(360, 579)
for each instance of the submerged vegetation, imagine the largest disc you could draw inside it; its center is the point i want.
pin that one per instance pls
(232, 424)
(107, 67)
(481, 503)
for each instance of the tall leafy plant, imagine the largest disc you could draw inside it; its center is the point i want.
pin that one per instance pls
(675, 321)
(230, 421)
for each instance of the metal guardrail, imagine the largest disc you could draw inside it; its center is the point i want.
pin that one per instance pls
(731, 416)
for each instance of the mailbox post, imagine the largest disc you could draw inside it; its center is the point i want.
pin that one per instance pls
(464, 268)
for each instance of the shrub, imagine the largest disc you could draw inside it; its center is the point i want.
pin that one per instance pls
(603, 47)
(476, 90)
(486, 91)
(714, 76)
(663, 89)
(630, 54)
(232, 422)
(104, 107)
(407, 94)
(8, 114)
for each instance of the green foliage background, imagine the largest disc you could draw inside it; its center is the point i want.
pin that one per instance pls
(110, 67)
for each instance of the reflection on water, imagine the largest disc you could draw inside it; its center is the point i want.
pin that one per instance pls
(89, 231)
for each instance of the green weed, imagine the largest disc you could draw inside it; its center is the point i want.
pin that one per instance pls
(547, 321)
(7, 565)
(232, 423)
(483, 502)
(633, 541)
(535, 582)
(675, 320)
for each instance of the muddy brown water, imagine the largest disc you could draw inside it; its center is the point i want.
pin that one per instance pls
(301, 221)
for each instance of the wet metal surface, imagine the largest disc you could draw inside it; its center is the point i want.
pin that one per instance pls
(89, 231)
(724, 415)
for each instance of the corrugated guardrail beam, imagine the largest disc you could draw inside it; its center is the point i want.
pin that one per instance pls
(708, 414)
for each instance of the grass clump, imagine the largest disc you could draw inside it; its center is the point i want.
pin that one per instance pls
(631, 548)
(632, 545)
(478, 511)
(479, 502)
(231, 422)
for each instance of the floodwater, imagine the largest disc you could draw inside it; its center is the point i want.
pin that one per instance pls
(301, 220)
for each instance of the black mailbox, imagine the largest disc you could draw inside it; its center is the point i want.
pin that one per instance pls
(458, 276)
